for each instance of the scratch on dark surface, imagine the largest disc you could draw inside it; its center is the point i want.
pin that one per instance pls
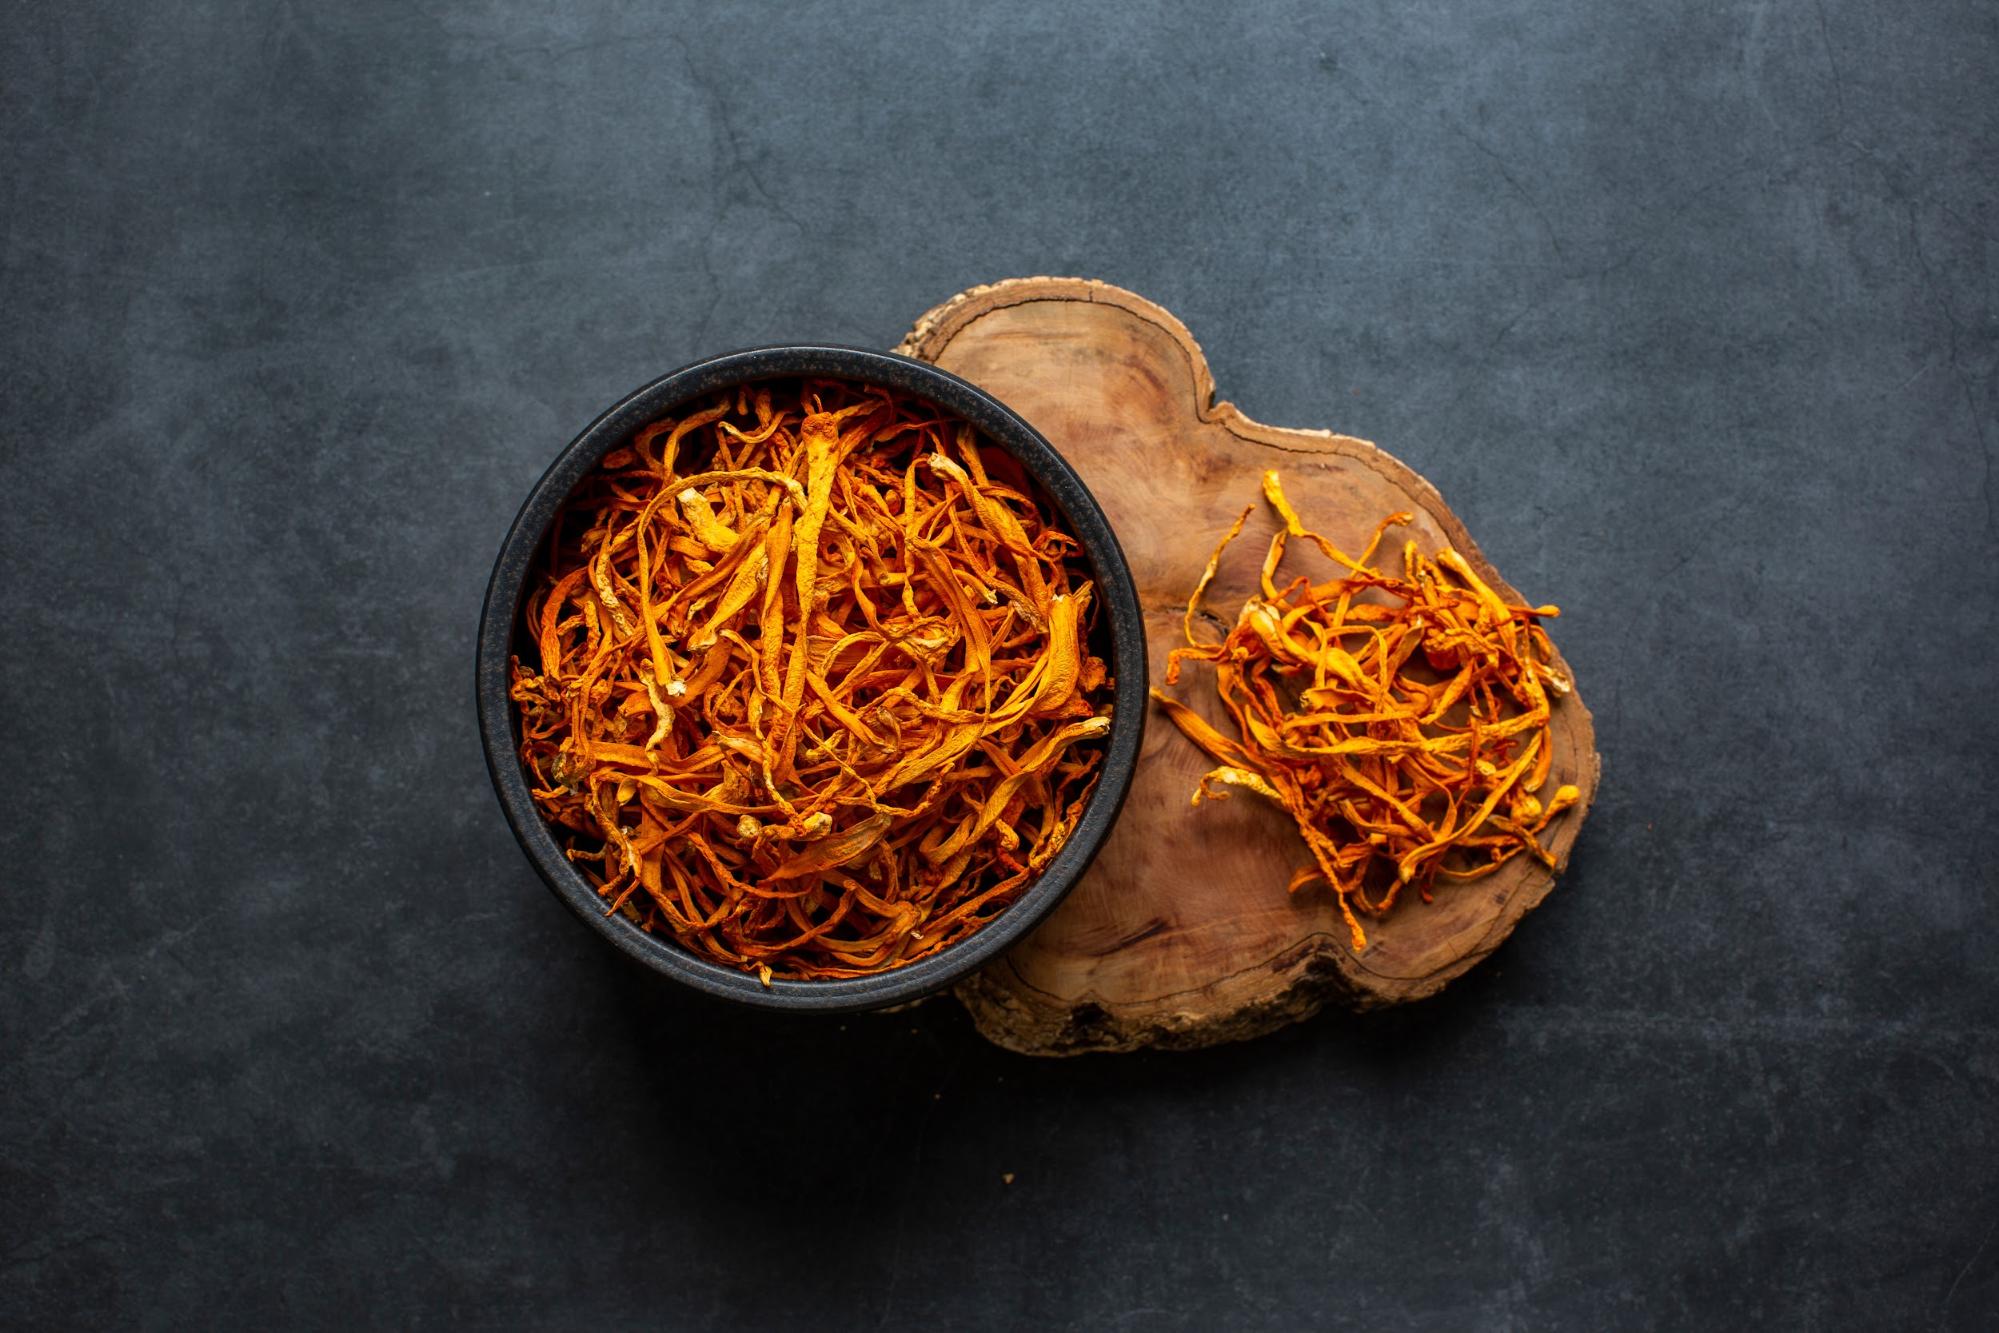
(1779, 1030)
(111, 988)
(1943, 1312)
(1964, 379)
(910, 1183)
(622, 42)
(16, 1259)
(1504, 330)
(1832, 66)
(1506, 171)
(739, 159)
(1614, 715)
(704, 256)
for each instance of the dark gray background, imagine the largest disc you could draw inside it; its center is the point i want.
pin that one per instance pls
(1688, 309)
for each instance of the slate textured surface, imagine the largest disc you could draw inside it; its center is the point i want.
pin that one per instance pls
(1688, 308)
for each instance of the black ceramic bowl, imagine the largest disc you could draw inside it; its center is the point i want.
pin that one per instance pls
(1120, 635)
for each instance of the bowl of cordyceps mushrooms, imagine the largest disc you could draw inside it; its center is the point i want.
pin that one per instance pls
(811, 677)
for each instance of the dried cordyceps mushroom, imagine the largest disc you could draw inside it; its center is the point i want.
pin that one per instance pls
(1402, 721)
(807, 680)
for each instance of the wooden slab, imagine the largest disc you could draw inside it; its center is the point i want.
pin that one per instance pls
(1183, 934)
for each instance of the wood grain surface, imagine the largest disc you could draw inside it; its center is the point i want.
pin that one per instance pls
(1182, 934)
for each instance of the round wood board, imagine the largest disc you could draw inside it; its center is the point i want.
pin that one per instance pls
(1182, 934)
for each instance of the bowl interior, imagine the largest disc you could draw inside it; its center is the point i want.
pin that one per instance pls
(1118, 637)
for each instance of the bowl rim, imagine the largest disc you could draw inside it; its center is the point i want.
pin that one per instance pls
(1084, 519)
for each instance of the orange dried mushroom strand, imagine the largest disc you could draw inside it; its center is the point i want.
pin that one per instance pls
(1402, 721)
(805, 681)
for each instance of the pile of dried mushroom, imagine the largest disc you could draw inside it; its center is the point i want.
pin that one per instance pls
(806, 680)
